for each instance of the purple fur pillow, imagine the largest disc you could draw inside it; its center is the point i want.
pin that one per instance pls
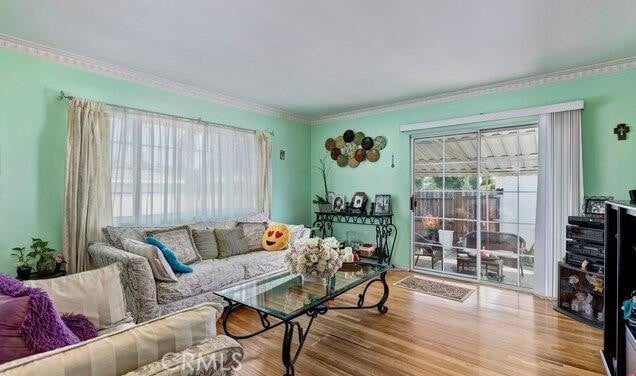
(82, 327)
(41, 329)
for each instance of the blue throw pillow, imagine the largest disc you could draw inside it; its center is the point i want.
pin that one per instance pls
(170, 256)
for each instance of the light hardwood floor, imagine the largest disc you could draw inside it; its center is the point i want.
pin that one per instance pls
(493, 332)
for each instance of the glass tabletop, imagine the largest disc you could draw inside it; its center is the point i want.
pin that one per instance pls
(286, 296)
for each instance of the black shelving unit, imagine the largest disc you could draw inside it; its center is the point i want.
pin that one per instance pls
(582, 273)
(385, 230)
(585, 286)
(620, 281)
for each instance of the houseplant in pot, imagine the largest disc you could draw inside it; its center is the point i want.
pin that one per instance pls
(323, 202)
(23, 263)
(46, 262)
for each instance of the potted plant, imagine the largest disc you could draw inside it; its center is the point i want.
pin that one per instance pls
(430, 224)
(46, 262)
(22, 264)
(323, 205)
(323, 202)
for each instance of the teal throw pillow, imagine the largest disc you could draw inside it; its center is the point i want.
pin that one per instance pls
(170, 256)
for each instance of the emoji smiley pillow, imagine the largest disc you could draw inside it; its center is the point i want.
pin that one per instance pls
(276, 238)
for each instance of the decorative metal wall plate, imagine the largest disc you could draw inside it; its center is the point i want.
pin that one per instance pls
(351, 148)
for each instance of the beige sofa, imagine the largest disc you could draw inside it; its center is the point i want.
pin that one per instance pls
(182, 343)
(148, 298)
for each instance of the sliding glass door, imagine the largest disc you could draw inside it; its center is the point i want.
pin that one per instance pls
(474, 204)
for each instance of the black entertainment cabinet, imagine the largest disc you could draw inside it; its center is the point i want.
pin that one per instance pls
(619, 347)
(581, 273)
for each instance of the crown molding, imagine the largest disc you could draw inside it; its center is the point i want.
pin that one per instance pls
(613, 66)
(91, 65)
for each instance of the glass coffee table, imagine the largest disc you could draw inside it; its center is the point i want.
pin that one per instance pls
(287, 297)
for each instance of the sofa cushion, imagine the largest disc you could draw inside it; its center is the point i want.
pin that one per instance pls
(221, 354)
(12, 343)
(211, 225)
(179, 239)
(254, 217)
(230, 241)
(30, 322)
(298, 231)
(261, 262)
(114, 234)
(96, 294)
(205, 241)
(170, 256)
(124, 351)
(161, 270)
(253, 234)
(80, 325)
(208, 275)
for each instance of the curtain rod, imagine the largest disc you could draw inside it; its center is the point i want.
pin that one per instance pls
(63, 96)
(483, 117)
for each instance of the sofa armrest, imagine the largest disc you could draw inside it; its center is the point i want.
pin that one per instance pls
(137, 279)
(219, 356)
(126, 350)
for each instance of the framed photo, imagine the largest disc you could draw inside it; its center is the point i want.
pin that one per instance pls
(359, 200)
(595, 205)
(382, 204)
(338, 203)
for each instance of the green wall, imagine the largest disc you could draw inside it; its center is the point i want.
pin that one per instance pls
(608, 163)
(33, 131)
(33, 137)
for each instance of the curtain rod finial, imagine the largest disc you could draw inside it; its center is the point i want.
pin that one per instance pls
(64, 96)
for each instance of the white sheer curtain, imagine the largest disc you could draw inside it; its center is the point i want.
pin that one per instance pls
(169, 170)
(560, 193)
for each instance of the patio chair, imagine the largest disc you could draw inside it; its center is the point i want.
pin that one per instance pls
(431, 249)
(498, 244)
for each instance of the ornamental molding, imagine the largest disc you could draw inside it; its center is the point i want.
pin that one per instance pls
(614, 66)
(91, 65)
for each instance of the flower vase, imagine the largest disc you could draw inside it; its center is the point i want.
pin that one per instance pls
(313, 279)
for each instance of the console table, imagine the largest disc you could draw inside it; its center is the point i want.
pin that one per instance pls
(385, 230)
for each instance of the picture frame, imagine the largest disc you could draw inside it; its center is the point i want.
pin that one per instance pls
(595, 205)
(382, 204)
(359, 200)
(338, 204)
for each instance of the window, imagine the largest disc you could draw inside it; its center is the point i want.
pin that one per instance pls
(168, 170)
(476, 196)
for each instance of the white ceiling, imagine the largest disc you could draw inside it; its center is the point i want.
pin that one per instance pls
(317, 58)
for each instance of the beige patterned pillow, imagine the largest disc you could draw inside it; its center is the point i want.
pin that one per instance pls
(231, 242)
(97, 294)
(254, 217)
(114, 234)
(297, 230)
(205, 241)
(253, 234)
(179, 239)
(161, 270)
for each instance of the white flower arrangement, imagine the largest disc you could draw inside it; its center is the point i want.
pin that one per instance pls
(315, 257)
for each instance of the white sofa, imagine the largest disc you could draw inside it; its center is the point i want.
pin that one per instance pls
(148, 298)
(182, 343)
